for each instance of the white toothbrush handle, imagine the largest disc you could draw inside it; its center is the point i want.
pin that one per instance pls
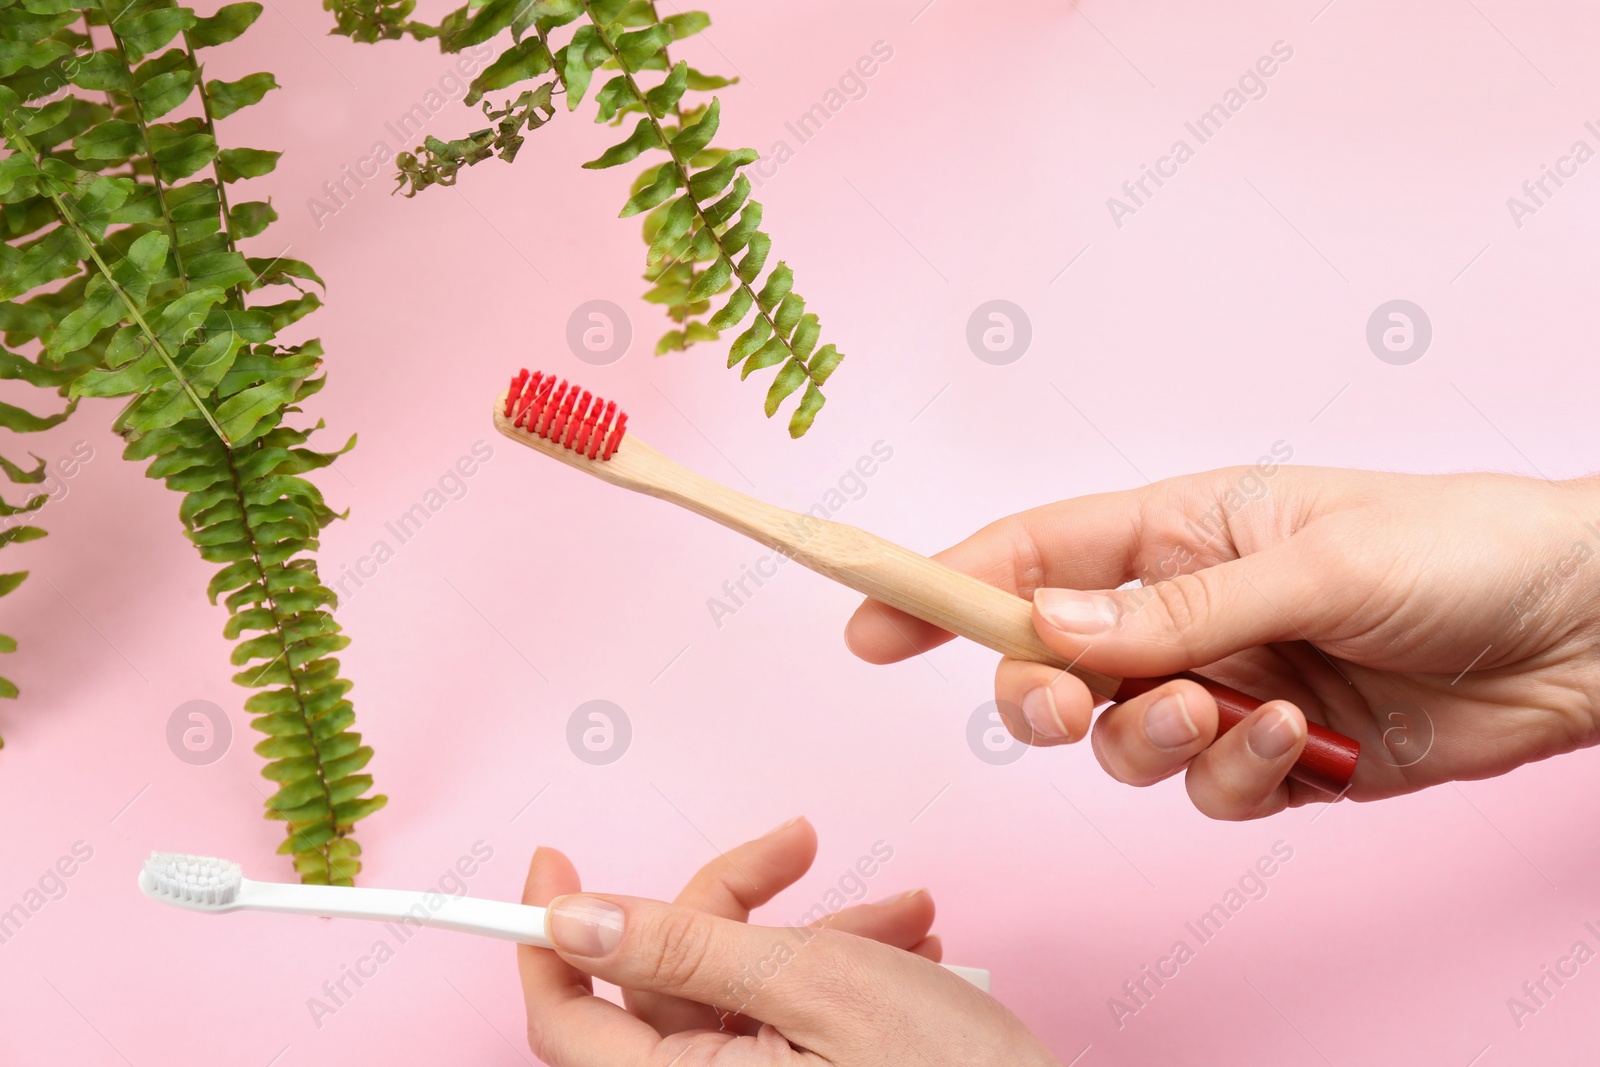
(976, 975)
(522, 923)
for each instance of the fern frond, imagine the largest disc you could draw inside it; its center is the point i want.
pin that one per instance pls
(701, 227)
(139, 291)
(701, 212)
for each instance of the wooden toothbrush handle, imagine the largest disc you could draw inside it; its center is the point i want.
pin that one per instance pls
(1003, 621)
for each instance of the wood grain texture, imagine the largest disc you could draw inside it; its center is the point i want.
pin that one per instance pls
(897, 576)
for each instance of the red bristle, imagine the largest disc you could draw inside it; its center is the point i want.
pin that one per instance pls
(558, 425)
(515, 390)
(551, 409)
(589, 426)
(536, 400)
(599, 436)
(576, 422)
(616, 436)
(528, 395)
(565, 414)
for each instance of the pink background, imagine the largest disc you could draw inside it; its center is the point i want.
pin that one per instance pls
(1226, 315)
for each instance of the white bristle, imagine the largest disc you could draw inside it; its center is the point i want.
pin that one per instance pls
(194, 879)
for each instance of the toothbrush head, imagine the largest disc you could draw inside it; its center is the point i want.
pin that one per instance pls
(564, 415)
(200, 882)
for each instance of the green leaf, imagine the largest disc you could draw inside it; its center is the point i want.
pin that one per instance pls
(241, 413)
(644, 136)
(228, 23)
(18, 534)
(24, 421)
(772, 353)
(737, 236)
(789, 311)
(806, 413)
(748, 342)
(777, 287)
(636, 48)
(182, 158)
(665, 184)
(690, 141)
(790, 378)
(755, 258)
(23, 55)
(712, 280)
(112, 142)
(151, 29)
(490, 19)
(733, 313)
(579, 61)
(702, 83)
(280, 269)
(823, 363)
(664, 97)
(228, 97)
(252, 217)
(527, 59)
(236, 163)
(686, 24)
(163, 83)
(99, 71)
(723, 209)
(713, 180)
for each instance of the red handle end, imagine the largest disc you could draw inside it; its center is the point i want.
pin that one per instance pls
(1329, 759)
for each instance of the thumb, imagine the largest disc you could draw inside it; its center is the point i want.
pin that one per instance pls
(1186, 621)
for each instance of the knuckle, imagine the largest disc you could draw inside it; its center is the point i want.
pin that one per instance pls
(682, 944)
(1185, 601)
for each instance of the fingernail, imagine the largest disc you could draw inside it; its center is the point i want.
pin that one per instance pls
(900, 898)
(1039, 708)
(1075, 612)
(1167, 723)
(780, 829)
(585, 926)
(1273, 735)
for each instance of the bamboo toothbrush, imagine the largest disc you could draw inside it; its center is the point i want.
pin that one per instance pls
(587, 432)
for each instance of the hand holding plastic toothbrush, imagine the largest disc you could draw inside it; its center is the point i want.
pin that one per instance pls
(703, 986)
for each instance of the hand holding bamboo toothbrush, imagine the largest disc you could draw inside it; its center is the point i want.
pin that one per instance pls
(587, 432)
